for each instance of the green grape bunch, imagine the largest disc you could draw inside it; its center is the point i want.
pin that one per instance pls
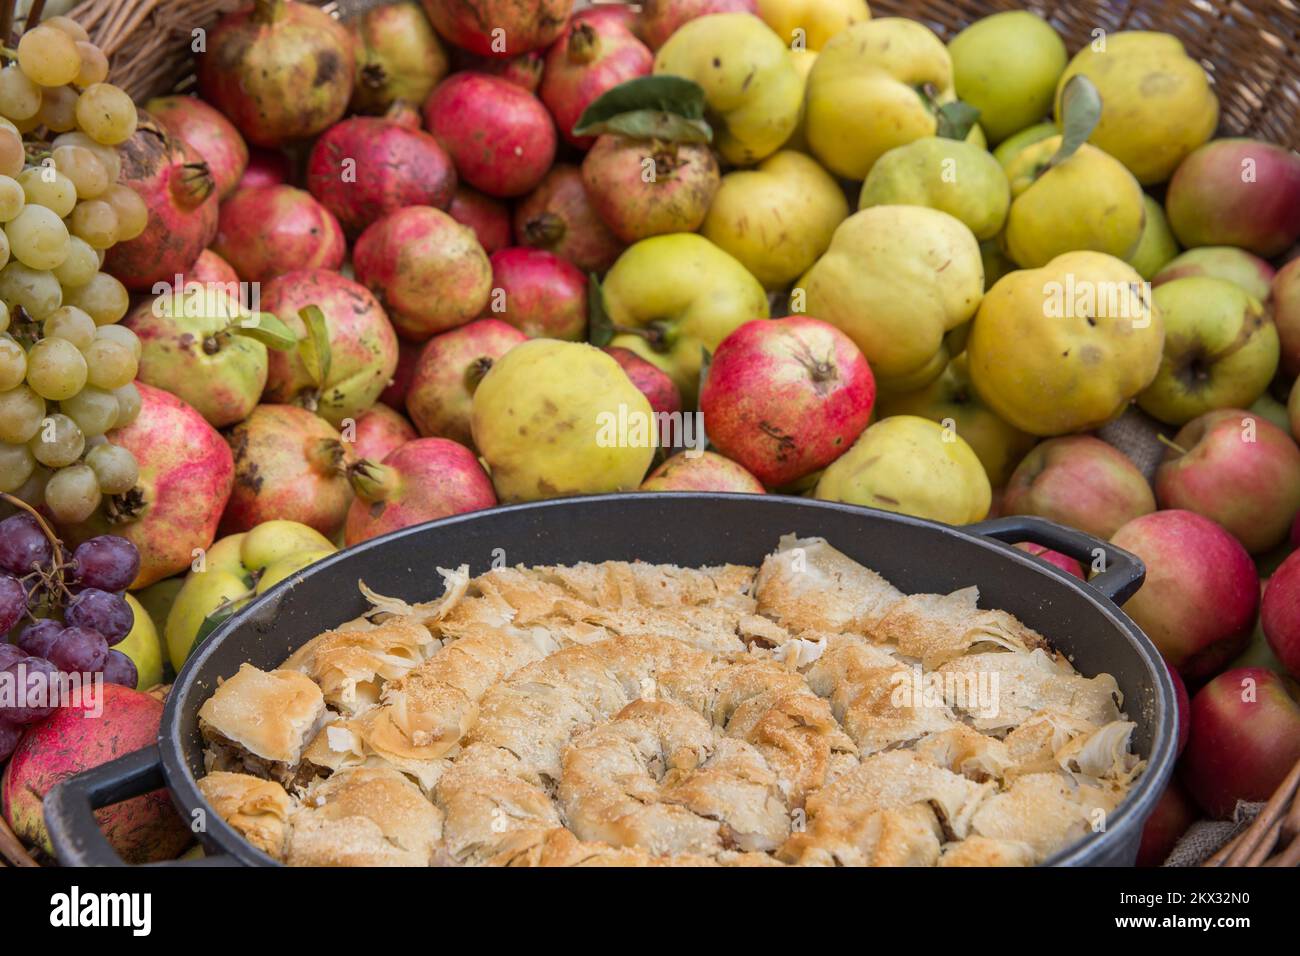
(67, 369)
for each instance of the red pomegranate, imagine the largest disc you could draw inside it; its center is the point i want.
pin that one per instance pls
(558, 216)
(267, 231)
(266, 167)
(653, 382)
(447, 372)
(185, 480)
(362, 345)
(421, 481)
(289, 464)
(376, 433)
(428, 270)
(539, 293)
(499, 28)
(367, 166)
(596, 53)
(500, 137)
(660, 18)
(212, 135)
(394, 396)
(177, 186)
(281, 70)
(488, 217)
(398, 57)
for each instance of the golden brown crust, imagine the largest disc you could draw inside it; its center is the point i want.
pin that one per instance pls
(624, 714)
(270, 714)
(367, 816)
(259, 809)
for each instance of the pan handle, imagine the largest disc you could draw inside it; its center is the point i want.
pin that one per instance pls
(1123, 572)
(70, 810)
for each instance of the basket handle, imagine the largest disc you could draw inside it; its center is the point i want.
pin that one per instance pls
(1123, 571)
(70, 810)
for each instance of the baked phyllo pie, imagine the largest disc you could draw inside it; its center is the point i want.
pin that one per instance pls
(805, 712)
(259, 721)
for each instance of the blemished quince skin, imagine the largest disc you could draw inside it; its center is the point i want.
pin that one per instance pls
(1007, 65)
(751, 86)
(1065, 347)
(1088, 202)
(895, 279)
(875, 86)
(809, 24)
(677, 295)
(556, 418)
(1157, 104)
(751, 216)
(913, 466)
(958, 178)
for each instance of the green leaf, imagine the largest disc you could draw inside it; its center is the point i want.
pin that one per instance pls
(1080, 113)
(267, 329)
(649, 107)
(314, 347)
(654, 124)
(224, 612)
(600, 329)
(955, 120)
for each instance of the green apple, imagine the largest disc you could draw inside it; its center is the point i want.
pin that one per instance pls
(1220, 351)
(945, 174)
(141, 644)
(670, 297)
(229, 574)
(1266, 406)
(1157, 247)
(1007, 66)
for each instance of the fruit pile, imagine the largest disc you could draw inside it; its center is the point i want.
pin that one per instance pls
(67, 614)
(66, 370)
(447, 255)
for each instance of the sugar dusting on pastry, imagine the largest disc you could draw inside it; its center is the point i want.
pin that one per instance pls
(803, 712)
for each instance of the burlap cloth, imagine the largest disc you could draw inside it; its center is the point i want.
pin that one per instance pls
(1203, 839)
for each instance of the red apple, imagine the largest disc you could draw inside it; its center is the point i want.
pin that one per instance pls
(1245, 739)
(1280, 614)
(1286, 315)
(706, 471)
(448, 371)
(785, 397)
(1237, 192)
(538, 293)
(655, 384)
(1221, 262)
(1079, 481)
(1062, 561)
(1174, 813)
(1201, 592)
(1238, 469)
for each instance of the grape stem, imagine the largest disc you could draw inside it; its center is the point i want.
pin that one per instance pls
(54, 578)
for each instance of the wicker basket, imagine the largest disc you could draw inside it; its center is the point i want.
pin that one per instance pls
(1251, 48)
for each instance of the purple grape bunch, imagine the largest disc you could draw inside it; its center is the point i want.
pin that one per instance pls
(64, 616)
